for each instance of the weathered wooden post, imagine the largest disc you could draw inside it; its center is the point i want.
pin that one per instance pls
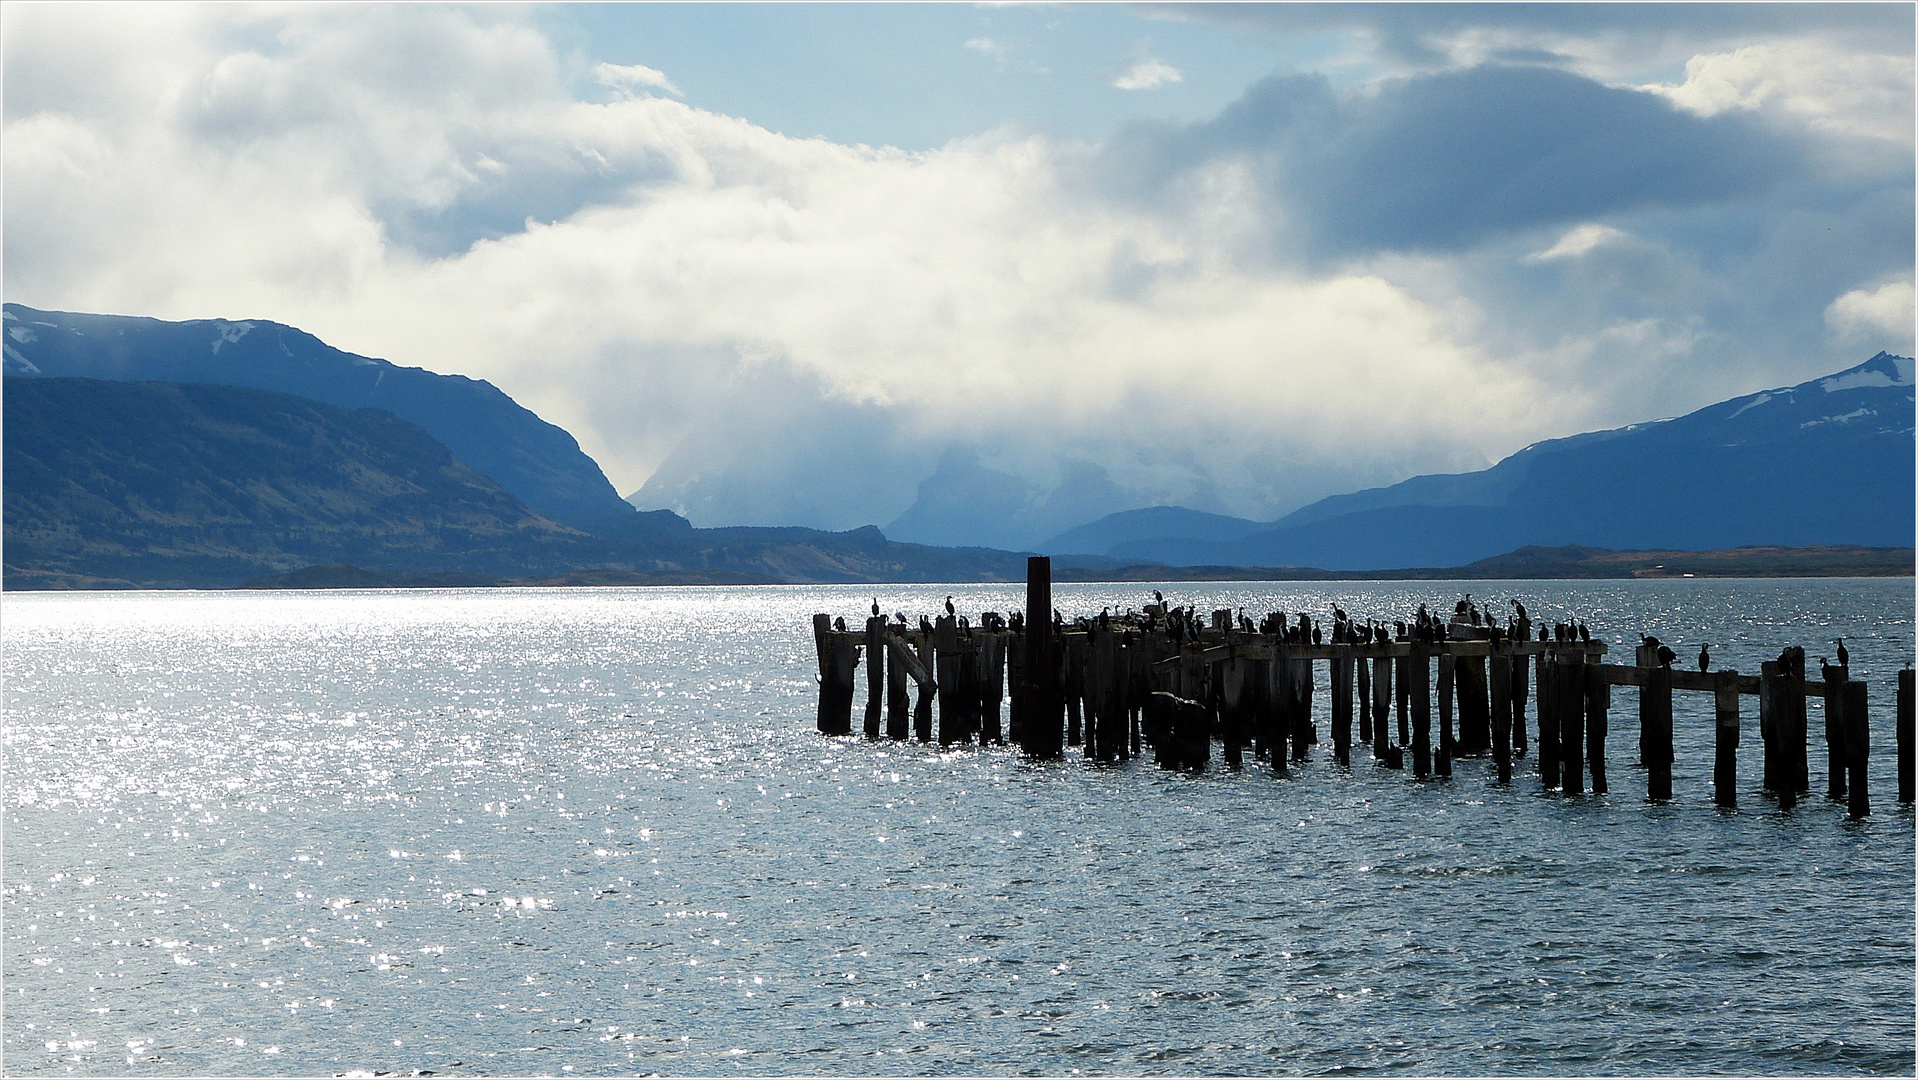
(1474, 705)
(898, 705)
(1342, 704)
(1655, 730)
(1835, 678)
(1725, 763)
(1571, 720)
(1548, 764)
(1519, 691)
(945, 652)
(1016, 686)
(1381, 706)
(1042, 695)
(838, 661)
(1275, 730)
(1792, 688)
(875, 673)
(1075, 687)
(1420, 668)
(1905, 737)
(1500, 666)
(1304, 679)
(1447, 745)
(1598, 700)
(927, 686)
(1857, 747)
(1403, 698)
(992, 688)
(1362, 673)
(1774, 720)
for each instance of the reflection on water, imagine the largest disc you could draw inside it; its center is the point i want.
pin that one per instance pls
(591, 831)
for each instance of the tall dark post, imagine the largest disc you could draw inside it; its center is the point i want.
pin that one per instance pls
(1725, 763)
(1547, 720)
(1598, 700)
(1835, 732)
(1381, 706)
(1042, 728)
(1519, 690)
(1571, 720)
(1774, 718)
(945, 652)
(1655, 731)
(1362, 671)
(1857, 747)
(1500, 667)
(1420, 669)
(1342, 704)
(875, 673)
(1905, 733)
(898, 705)
(1447, 746)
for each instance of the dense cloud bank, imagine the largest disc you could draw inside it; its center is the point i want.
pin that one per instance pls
(1511, 234)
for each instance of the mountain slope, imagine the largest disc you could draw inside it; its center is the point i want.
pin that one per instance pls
(1829, 461)
(184, 484)
(1147, 525)
(537, 462)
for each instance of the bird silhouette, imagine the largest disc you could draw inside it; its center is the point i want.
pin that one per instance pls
(1520, 606)
(950, 610)
(875, 607)
(839, 624)
(1666, 656)
(1158, 597)
(1705, 657)
(1844, 656)
(1584, 635)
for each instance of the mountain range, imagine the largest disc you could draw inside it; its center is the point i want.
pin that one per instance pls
(212, 452)
(1829, 461)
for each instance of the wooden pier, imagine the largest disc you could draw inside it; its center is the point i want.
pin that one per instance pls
(1177, 681)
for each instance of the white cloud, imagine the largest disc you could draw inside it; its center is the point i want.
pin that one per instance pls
(1146, 73)
(1879, 318)
(1826, 88)
(631, 79)
(1576, 242)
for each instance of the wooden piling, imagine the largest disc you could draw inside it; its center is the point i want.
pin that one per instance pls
(1500, 670)
(1857, 748)
(1725, 760)
(1835, 678)
(1598, 701)
(928, 686)
(898, 705)
(1571, 720)
(992, 686)
(1041, 721)
(1548, 764)
(1655, 731)
(875, 673)
(1774, 721)
(1519, 692)
(945, 652)
(1447, 745)
(1905, 737)
(1403, 698)
(838, 660)
(1420, 668)
(1362, 673)
(1274, 729)
(1381, 708)
(1016, 687)
(1303, 682)
(1474, 706)
(1341, 679)
(1074, 687)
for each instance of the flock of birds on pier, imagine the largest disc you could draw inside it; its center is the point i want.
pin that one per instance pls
(1183, 624)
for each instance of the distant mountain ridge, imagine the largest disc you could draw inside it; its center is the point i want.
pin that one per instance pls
(1829, 461)
(539, 463)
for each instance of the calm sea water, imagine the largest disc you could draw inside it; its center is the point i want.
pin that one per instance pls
(592, 831)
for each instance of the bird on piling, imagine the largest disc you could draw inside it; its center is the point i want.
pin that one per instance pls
(1544, 634)
(950, 610)
(1705, 657)
(839, 624)
(1018, 622)
(900, 616)
(1648, 641)
(1666, 657)
(925, 624)
(1517, 603)
(1584, 634)
(1316, 636)
(1158, 598)
(1844, 657)
(875, 607)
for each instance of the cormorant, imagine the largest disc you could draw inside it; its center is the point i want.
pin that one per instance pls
(1705, 657)
(1517, 603)
(875, 607)
(950, 610)
(839, 624)
(1158, 598)
(1648, 641)
(1844, 657)
(925, 624)
(1544, 634)
(1666, 656)
(1317, 638)
(1584, 634)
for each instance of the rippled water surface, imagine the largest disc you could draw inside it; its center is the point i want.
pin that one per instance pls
(592, 831)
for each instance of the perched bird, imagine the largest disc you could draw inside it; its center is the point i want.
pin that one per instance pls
(1544, 634)
(839, 624)
(1666, 656)
(1158, 598)
(1648, 641)
(1844, 657)
(875, 607)
(1317, 638)
(925, 624)
(950, 610)
(1705, 657)
(900, 616)
(1584, 635)
(1520, 606)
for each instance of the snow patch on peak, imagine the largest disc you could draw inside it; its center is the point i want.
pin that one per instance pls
(230, 332)
(1881, 370)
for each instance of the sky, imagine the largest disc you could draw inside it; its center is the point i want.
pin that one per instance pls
(777, 264)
